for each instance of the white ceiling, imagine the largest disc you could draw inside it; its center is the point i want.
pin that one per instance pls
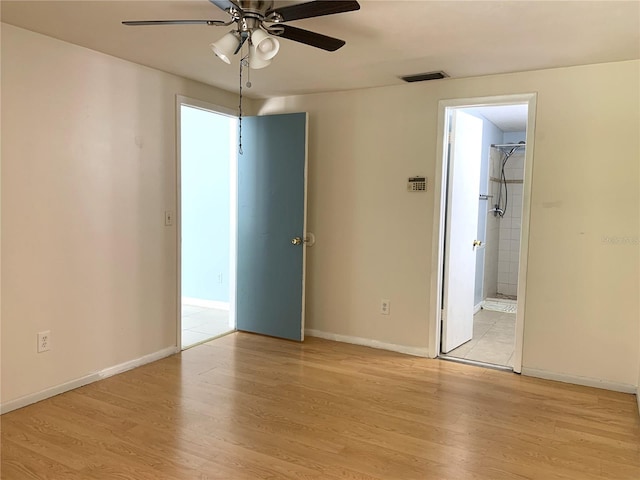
(508, 118)
(385, 39)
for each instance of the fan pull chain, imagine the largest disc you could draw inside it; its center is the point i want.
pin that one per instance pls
(240, 111)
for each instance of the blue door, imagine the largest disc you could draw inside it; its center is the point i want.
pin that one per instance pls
(271, 225)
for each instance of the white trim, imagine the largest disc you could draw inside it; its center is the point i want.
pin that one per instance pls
(578, 380)
(137, 362)
(201, 302)
(210, 107)
(478, 307)
(525, 233)
(47, 393)
(233, 225)
(437, 253)
(304, 225)
(87, 379)
(367, 342)
(178, 219)
(435, 313)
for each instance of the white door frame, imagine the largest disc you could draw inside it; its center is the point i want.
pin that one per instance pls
(195, 103)
(440, 190)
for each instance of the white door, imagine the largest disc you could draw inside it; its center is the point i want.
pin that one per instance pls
(462, 227)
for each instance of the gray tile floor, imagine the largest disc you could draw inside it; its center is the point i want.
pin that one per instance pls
(493, 339)
(200, 324)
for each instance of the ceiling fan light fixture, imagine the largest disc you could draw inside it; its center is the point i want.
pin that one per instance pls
(265, 46)
(259, 20)
(256, 62)
(226, 46)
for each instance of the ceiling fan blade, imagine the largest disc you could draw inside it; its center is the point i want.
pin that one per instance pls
(224, 4)
(314, 9)
(174, 22)
(310, 38)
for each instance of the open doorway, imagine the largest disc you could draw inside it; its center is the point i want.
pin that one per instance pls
(207, 178)
(482, 231)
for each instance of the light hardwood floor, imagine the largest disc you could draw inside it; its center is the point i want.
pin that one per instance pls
(251, 407)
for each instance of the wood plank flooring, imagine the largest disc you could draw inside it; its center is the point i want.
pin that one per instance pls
(250, 407)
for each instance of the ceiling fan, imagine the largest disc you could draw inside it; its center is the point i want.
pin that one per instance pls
(259, 22)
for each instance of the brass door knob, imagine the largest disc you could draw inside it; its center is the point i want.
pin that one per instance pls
(296, 241)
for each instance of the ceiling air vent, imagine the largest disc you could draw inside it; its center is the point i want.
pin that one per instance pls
(423, 77)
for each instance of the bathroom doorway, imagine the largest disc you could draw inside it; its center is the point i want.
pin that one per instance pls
(483, 214)
(207, 225)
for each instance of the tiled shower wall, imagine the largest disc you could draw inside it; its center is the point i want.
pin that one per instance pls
(503, 233)
(510, 223)
(486, 257)
(492, 235)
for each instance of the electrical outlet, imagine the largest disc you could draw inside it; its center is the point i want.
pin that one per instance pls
(168, 218)
(44, 341)
(385, 306)
(220, 278)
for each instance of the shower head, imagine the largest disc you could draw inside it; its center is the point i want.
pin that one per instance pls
(516, 146)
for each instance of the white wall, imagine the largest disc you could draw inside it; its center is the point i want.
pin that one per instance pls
(374, 238)
(88, 169)
(207, 143)
(85, 252)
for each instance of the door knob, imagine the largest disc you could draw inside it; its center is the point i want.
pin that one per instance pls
(296, 241)
(477, 243)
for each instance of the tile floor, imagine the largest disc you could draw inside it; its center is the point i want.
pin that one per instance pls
(200, 324)
(493, 339)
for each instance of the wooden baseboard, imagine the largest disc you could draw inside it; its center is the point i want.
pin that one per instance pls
(85, 380)
(577, 380)
(367, 342)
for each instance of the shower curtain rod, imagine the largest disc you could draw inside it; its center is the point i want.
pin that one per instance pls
(506, 145)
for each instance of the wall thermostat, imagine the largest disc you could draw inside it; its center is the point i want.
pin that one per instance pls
(417, 184)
